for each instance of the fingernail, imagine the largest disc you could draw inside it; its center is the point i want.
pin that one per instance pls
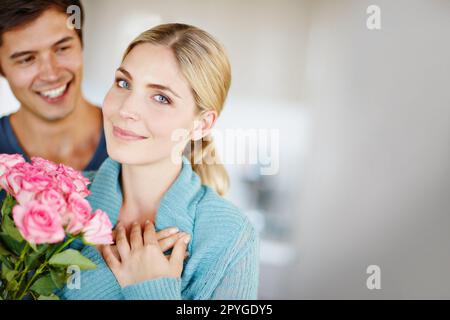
(181, 235)
(187, 239)
(135, 223)
(173, 230)
(147, 221)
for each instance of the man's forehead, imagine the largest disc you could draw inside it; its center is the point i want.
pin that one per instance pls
(39, 34)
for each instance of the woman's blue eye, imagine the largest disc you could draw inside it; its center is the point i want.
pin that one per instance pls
(123, 84)
(162, 99)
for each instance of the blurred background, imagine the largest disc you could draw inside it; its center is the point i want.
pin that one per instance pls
(356, 123)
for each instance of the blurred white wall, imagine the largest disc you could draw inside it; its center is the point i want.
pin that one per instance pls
(377, 184)
(8, 102)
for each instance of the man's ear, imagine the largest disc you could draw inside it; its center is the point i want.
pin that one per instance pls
(204, 124)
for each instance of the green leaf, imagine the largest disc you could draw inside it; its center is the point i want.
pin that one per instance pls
(35, 258)
(59, 277)
(71, 257)
(11, 244)
(50, 297)
(51, 250)
(7, 273)
(33, 246)
(32, 260)
(12, 286)
(4, 260)
(44, 286)
(10, 229)
(4, 251)
(7, 206)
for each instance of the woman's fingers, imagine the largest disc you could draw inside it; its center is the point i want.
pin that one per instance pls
(150, 234)
(166, 233)
(168, 243)
(115, 251)
(109, 257)
(136, 236)
(178, 252)
(122, 242)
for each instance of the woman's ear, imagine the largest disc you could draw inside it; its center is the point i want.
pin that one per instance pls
(204, 124)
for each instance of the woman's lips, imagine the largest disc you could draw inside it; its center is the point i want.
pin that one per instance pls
(126, 134)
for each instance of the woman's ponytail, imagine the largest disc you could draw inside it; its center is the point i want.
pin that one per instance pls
(206, 163)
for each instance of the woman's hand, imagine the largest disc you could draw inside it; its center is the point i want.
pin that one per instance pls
(166, 239)
(142, 258)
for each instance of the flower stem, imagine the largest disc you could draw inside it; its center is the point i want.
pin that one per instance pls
(42, 267)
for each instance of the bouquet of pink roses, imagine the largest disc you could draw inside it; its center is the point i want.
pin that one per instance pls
(44, 211)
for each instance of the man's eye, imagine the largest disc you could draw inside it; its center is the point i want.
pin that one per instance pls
(123, 84)
(26, 60)
(162, 99)
(62, 49)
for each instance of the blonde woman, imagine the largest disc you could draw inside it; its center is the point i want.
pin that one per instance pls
(173, 78)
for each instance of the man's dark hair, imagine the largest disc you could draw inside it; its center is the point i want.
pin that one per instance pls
(17, 13)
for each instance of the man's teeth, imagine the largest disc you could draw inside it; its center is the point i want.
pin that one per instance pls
(55, 93)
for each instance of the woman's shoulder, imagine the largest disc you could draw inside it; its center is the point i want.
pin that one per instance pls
(108, 170)
(218, 216)
(90, 175)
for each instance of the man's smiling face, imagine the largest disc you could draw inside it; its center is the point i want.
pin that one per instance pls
(43, 64)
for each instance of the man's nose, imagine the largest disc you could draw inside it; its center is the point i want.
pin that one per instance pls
(49, 69)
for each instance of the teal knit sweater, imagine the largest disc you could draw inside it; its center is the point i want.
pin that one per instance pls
(223, 260)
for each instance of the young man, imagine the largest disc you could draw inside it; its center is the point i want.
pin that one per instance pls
(41, 58)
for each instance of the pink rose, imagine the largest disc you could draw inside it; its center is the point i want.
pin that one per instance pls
(99, 229)
(38, 223)
(13, 181)
(44, 165)
(64, 184)
(54, 199)
(78, 183)
(78, 213)
(24, 182)
(8, 161)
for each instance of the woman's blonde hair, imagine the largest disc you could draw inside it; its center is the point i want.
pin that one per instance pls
(205, 65)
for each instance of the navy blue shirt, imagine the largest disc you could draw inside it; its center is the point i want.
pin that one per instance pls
(10, 145)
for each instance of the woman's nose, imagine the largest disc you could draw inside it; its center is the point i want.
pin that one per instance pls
(128, 115)
(128, 110)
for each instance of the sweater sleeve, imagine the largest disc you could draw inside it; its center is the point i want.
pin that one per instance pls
(155, 289)
(241, 278)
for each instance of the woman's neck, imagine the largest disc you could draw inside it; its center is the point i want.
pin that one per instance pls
(143, 187)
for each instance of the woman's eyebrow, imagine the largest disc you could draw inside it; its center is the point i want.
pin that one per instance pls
(150, 85)
(125, 72)
(164, 88)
